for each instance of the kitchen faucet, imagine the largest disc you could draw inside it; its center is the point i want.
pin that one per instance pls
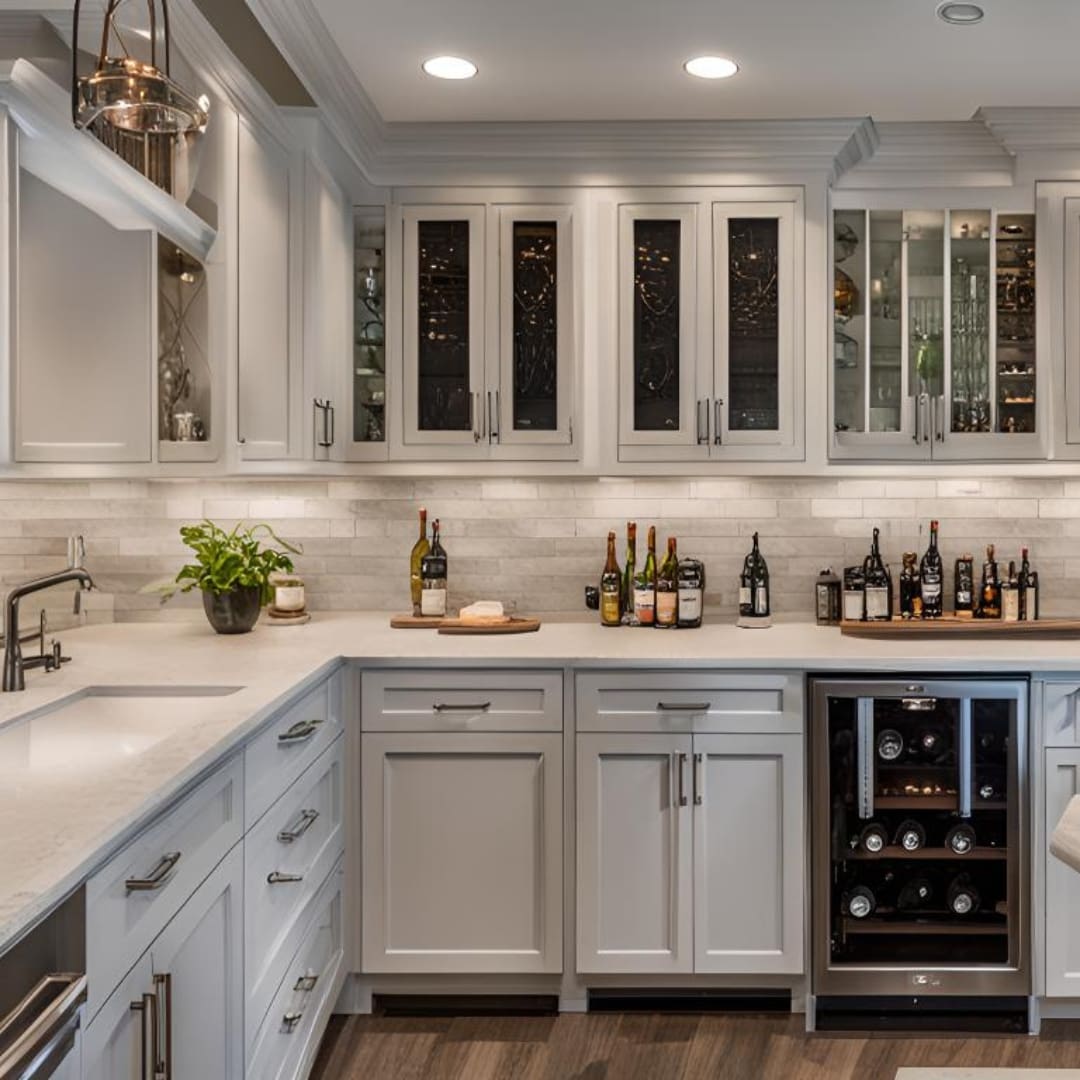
(14, 665)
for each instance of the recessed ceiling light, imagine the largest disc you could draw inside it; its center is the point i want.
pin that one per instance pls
(450, 67)
(711, 67)
(960, 14)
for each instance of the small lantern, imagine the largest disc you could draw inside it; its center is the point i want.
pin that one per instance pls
(827, 598)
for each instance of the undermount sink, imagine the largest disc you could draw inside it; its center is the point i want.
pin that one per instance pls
(99, 727)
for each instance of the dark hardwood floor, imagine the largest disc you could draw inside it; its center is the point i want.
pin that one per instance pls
(653, 1047)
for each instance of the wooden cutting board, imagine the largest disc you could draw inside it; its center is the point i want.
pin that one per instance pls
(416, 622)
(516, 625)
(961, 627)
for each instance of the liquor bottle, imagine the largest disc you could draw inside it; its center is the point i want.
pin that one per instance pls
(645, 585)
(433, 577)
(691, 593)
(962, 897)
(1010, 596)
(416, 557)
(910, 594)
(754, 600)
(890, 745)
(1028, 583)
(628, 617)
(878, 584)
(932, 577)
(854, 599)
(990, 591)
(873, 839)
(611, 587)
(960, 839)
(915, 894)
(964, 585)
(827, 598)
(911, 836)
(859, 902)
(667, 589)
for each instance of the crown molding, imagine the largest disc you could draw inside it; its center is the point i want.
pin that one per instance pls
(1027, 130)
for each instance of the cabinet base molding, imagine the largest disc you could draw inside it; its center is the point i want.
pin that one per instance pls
(691, 1000)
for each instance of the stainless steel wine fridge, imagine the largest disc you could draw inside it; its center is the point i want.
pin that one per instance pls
(920, 839)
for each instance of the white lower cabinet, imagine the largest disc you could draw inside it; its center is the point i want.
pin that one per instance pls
(184, 997)
(690, 853)
(1062, 882)
(462, 852)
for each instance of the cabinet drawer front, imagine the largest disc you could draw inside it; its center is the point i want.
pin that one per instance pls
(665, 701)
(277, 756)
(289, 1036)
(420, 700)
(299, 837)
(1061, 713)
(140, 889)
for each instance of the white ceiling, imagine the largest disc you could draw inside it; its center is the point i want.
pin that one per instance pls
(622, 59)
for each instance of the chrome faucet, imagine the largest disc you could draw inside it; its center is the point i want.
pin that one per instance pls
(14, 673)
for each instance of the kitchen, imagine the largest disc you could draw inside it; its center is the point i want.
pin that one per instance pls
(777, 785)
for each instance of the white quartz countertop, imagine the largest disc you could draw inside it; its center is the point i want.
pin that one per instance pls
(56, 826)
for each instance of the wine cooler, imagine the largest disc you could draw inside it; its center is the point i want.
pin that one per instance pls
(920, 860)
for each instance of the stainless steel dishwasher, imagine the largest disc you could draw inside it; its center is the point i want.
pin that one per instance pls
(42, 996)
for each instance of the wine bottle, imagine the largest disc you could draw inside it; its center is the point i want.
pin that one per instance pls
(878, 584)
(934, 743)
(962, 897)
(873, 839)
(911, 836)
(964, 585)
(629, 573)
(416, 557)
(667, 589)
(645, 585)
(754, 600)
(1010, 596)
(433, 577)
(890, 745)
(990, 591)
(910, 593)
(1028, 583)
(691, 593)
(611, 587)
(915, 894)
(931, 577)
(960, 839)
(859, 902)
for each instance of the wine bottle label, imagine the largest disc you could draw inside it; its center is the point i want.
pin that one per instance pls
(689, 605)
(877, 602)
(761, 600)
(931, 592)
(1010, 605)
(744, 596)
(667, 606)
(645, 606)
(963, 598)
(1030, 602)
(433, 603)
(609, 608)
(854, 605)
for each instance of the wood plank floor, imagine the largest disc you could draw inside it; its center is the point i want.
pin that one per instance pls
(652, 1047)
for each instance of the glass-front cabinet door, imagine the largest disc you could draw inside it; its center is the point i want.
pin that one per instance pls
(934, 335)
(368, 437)
(443, 325)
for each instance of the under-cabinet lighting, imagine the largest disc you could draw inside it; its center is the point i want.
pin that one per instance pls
(449, 67)
(711, 67)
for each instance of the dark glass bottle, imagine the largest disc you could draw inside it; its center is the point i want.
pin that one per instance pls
(691, 593)
(932, 577)
(911, 836)
(629, 573)
(1028, 583)
(990, 590)
(859, 902)
(915, 895)
(667, 589)
(934, 744)
(433, 577)
(1010, 596)
(960, 839)
(878, 584)
(416, 558)
(610, 587)
(964, 585)
(962, 897)
(910, 595)
(754, 600)
(873, 839)
(645, 585)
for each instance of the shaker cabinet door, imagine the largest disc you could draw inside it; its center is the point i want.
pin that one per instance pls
(1062, 882)
(634, 854)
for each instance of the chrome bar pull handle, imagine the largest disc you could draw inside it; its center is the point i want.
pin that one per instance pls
(918, 417)
(163, 1055)
(300, 732)
(278, 878)
(682, 706)
(718, 433)
(939, 418)
(148, 1036)
(304, 822)
(32, 1036)
(702, 437)
(450, 706)
(699, 779)
(682, 779)
(157, 878)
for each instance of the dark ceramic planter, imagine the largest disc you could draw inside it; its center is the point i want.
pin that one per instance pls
(234, 612)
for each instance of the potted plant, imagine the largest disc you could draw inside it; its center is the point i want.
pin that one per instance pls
(232, 569)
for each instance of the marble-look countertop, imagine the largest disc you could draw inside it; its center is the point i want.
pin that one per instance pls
(54, 833)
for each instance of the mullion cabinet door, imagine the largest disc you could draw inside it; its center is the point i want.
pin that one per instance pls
(634, 854)
(662, 412)
(444, 397)
(531, 391)
(755, 311)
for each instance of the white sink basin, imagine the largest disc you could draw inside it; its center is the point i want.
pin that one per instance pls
(100, 727)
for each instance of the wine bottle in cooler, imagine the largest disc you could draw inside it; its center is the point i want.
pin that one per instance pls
(859, 902)
(960, 839)
(932, 577)
(917, 894)
(911, 836)
(873, 839)
(962, 898)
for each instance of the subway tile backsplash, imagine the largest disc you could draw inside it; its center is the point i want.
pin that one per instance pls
(535, 544)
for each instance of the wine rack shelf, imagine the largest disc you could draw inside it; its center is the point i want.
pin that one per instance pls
(916, 802)
(931, 854)
(943, 928)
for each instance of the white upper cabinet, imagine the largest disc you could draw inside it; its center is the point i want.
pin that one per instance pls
(710, 327)
(934, 336)
(270, 367)
(1059, 211)
(488, 331)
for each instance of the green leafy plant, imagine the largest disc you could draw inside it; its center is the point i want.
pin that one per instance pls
(225, 561)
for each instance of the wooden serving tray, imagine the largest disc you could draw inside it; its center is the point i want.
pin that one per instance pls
(961, 627)
(516, 625)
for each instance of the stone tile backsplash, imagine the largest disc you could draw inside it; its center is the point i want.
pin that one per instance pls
(536, 543)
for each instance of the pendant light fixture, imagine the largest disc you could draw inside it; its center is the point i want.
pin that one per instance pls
(130, 94)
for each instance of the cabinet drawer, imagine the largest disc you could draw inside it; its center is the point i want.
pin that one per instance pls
(1061, 713)
(289, 1036)
(666, 701)
(422, 700)
(299, 839)
(280, 753)
(139, 890)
